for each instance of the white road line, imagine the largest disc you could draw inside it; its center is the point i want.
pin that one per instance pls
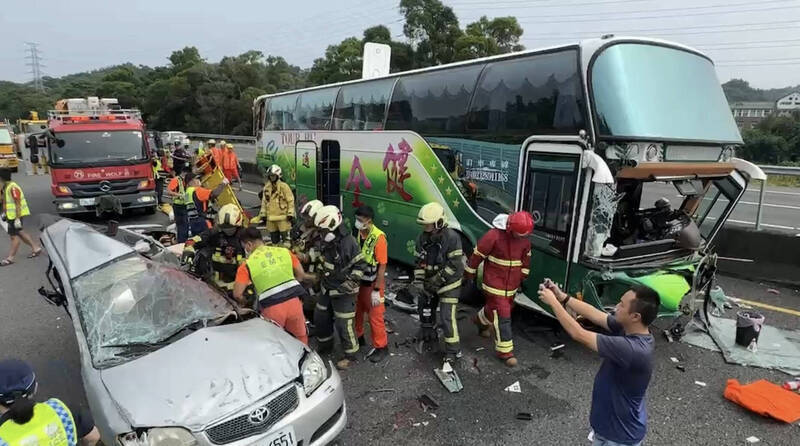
(773, 192)
(782, 206)
(752, 223)
(249, 192)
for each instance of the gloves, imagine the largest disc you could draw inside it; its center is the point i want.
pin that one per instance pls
(349, 286)
(187, 258)
(255, 220)
(376, 298)
(290, 218)
(18, 223)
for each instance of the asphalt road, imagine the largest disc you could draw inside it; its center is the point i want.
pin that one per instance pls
(382, 399)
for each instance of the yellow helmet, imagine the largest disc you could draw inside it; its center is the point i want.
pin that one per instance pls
(222, 143)
(229, 215)
(328, 217)
(432, 213)
(229, 146)
(311, 208)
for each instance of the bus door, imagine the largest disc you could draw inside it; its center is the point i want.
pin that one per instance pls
(305, 179)
(551, 177)
(328, 173)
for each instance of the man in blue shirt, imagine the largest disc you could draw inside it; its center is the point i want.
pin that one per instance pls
(618, 416)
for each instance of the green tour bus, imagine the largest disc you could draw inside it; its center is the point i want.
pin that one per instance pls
(622, 149)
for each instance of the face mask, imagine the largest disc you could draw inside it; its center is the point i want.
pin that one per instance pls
(360, 225)
(329, 237)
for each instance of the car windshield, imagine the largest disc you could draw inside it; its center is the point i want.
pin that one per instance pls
(655, 92)
(134, 306)
(5, 136)
(98, 146)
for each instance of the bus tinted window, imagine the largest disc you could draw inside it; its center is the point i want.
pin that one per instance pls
(314, 109)
(281, 113)
(531, 95)
(362, 106)
(433, 103)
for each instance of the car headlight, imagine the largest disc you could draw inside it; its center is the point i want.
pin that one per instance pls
(313, 372)
(158, 436)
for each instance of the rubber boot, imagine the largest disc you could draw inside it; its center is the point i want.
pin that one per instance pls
(511, 361)
(378, 355)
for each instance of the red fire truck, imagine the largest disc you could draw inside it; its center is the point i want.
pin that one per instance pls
(99, 158)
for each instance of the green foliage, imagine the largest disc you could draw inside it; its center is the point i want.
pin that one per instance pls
(775, 140)
(738, 90)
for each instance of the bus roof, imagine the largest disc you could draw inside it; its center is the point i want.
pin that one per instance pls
(589, 47)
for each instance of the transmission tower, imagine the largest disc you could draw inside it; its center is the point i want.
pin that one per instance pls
(35, 62)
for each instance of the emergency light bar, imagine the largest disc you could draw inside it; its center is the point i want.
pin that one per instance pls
(89, 116)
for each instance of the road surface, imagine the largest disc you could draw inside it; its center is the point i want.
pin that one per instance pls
(382, 399)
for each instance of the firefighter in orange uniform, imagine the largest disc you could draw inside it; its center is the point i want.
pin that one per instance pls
(506, 255)
(230, 165)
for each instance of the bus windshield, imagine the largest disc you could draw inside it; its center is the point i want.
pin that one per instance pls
(646, 91)
(98, 147)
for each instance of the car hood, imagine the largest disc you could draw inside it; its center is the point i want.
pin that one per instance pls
(205, 376)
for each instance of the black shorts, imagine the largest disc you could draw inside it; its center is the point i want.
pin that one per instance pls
(12, 230)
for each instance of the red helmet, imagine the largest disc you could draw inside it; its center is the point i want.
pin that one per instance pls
(520, 223)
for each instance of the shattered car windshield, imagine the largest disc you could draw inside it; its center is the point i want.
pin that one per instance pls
(134, 306)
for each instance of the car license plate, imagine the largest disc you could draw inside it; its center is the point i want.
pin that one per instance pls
(284, 437)
(86, 201)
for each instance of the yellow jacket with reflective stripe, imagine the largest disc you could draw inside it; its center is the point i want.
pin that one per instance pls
(272, 275)
(52, 425)
(368, 250)
(10, 206)
(277, 202)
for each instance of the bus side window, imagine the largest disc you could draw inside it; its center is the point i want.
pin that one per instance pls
(362, 106)
(550, 193)
(281, 112)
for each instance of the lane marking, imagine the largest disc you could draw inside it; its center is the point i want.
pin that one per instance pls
(249, 191)
(773, 192)
(767, 306)
(782, 206)
(752, 223)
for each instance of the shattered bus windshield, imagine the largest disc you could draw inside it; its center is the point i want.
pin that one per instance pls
(135, 303)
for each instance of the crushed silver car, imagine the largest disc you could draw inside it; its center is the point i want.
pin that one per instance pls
(168, 361)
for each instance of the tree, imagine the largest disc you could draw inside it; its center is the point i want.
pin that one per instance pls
(185, 58)
(433, 28)
(489, 37)
(342, 62)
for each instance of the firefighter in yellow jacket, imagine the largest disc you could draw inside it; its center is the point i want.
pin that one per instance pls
(277, 207)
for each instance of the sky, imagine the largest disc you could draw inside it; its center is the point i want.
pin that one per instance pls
(758, 41)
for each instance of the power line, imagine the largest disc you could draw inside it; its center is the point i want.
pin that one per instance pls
(34, 56)
(680, 28)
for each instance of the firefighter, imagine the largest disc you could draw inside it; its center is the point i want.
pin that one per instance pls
(277, 206)
(276, 274)
(506, 256)
(197, 198)
(230, 165)
(439, 270)
(222, 246)
(13, 210)
(343, 268)
(182, 156)
(370, 294)
(303, 233)
(156, 163)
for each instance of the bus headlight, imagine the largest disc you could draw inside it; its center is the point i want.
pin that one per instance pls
(313, 372)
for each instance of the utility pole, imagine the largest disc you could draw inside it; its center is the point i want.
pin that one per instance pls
(35, 62)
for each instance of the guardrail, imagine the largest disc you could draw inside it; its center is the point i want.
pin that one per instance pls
(793, 171)
(206, 136)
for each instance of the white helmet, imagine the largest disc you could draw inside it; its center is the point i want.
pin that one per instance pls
(432, 213)
(311, 208)
(328, 217)
(275, 170)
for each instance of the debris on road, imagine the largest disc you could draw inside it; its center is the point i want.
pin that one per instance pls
(792, 385)
(773, 291)
(674, 359)
(427, 403)
(765, 398)
(449, 378)
(475, 365)
(680, 367)
(480, 348)
(700, 383)
(557, 351)
(752, 439)
(524, 416)
(514, 388)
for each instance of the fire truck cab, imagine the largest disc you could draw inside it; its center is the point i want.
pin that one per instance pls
(99, 157)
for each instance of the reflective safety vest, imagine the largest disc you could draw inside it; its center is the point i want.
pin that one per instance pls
(368, 250)
(193, 208)
(52, 425)
(11, 206)
(272, 275)
(156, 169)
(180, 200)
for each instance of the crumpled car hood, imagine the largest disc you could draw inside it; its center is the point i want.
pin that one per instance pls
(205, 376)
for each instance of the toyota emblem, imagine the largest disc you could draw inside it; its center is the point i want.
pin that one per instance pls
(105, 186)
(258, 416)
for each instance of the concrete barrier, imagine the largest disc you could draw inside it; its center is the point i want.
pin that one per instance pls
(775, 255)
